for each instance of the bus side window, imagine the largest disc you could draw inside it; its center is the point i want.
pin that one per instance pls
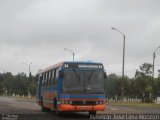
(49, 78)
(40, 80)
(46, 78)
(56, 75)
(52, 78)
(54, 81)
(43, 79)
(37, 79)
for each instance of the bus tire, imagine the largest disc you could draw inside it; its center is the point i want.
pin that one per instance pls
(57, 112)
(43, 109)
(55, 103)
(92, 113)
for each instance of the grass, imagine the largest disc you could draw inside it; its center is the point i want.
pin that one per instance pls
(149, 105)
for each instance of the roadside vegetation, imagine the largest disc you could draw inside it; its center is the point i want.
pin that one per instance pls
(149, 105)
(18, 84)
(142, 87)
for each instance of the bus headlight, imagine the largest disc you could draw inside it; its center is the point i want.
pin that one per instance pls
(70, 102)
(66, 102)
(99, 102)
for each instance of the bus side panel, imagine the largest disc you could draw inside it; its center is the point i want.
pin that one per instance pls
(59, 87)
(37, 95)
(48, 93)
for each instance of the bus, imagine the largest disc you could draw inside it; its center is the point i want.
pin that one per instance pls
(72, 86)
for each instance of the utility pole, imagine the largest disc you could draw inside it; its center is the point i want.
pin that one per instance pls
(70, 52)
(154, 56)
(122, 60)
(29, 68)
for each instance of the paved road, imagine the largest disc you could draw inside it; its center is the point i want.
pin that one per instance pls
(30, 109)
(123, 109)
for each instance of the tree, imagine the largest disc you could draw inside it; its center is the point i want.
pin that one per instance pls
(21, 84)
(144, 81)
(32, 85)
(156, 87)
(7, 82)
(17, 84)
(1, 83)
(113, 86)
(127, 87)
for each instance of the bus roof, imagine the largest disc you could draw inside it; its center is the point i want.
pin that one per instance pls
(50, 67)
(65, 62)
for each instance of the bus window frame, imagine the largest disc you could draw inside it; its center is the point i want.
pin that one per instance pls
(49, 78)
(57, 73)
(40, 78)
(43, 80)
(56, 76)
(54, 80)
(52, 76)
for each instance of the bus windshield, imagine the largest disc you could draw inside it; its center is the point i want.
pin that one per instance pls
(86, 81)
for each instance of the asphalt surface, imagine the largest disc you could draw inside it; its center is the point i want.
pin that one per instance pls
(123, 109)
(27, 109)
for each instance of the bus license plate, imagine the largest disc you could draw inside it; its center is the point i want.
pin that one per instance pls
(82, 108)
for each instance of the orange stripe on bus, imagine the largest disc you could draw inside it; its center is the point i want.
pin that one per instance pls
(64, 107)
(86, 99)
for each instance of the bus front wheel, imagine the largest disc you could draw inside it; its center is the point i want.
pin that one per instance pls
(43, 109)
(57, 112)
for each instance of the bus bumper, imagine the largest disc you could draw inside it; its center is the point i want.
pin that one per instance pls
(64, 107)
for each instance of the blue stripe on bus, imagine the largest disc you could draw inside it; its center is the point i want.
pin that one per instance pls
(82, 96)
(50, 89)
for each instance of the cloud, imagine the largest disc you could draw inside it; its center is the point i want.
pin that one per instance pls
(38, 31)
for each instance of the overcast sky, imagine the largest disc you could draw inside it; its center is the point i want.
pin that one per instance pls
(37, 31)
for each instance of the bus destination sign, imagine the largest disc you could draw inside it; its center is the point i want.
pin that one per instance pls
(85, 66)
(89, 66)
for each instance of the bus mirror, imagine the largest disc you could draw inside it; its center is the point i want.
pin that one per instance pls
(61, 75)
